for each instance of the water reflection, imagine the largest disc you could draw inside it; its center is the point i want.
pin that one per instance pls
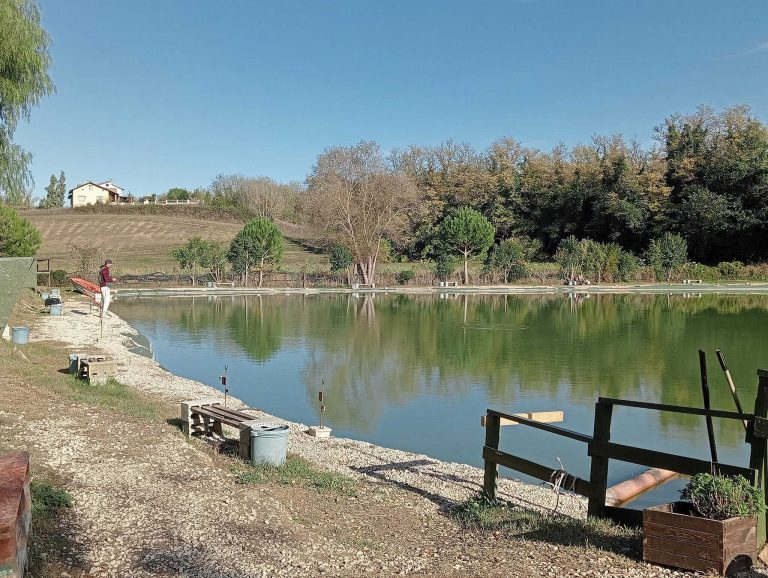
(388, 357)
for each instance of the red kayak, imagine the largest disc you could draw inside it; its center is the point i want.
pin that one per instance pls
(88, 289)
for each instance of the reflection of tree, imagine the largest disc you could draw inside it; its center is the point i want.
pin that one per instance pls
(512, 346)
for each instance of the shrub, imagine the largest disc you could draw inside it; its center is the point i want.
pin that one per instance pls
(18, 237)
(626, 266)
(730, 269)
(59, 277)
(721, 497)
(444, 267)
(694, 270)
(403, 277)
(667, 254)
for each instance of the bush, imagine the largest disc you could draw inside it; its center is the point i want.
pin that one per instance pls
(730, 269)
(404, 276)
(59, 277)
(720, 497)
(666, 255)
(698, 271)
(444, 267)
(18, 237)
(626, 266)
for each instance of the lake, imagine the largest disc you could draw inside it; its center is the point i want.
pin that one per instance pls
(416, 372)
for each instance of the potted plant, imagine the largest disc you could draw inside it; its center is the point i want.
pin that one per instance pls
(713, 530)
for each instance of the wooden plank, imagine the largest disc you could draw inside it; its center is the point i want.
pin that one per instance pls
(656, 459)
(218, 414)
(540, 416)
(705, 539)
(570, 483)
(690, 549)
(598, 471)
(678, 561)
(676, 408)
(543, 426)
(491, 473)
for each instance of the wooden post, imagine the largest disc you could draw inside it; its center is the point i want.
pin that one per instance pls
(598, 472)
(492, 431)
(757, 454)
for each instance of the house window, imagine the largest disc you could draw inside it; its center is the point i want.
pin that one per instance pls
(81, 198)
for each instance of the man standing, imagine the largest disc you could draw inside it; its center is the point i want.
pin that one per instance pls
(104, 280)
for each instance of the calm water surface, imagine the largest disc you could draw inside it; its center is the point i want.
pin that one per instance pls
(417, 372)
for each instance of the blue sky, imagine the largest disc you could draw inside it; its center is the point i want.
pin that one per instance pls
(155, 94)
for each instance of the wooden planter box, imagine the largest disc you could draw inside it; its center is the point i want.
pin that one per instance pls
(673, 537)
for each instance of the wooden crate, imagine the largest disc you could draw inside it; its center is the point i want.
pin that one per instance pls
(674, 538)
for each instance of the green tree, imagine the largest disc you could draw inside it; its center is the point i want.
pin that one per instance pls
(24, 80)
(667, 253)
(510, 258)
(342, 260)
(445, 265)
(570, 256)
(178, 194)
(190, 255)
(467, 233)
(18, 237)
(55, 192)
(214, 258)
(259, 244)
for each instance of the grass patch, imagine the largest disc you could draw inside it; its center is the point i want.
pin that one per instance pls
(50, 542)
(295, 471)
(113, 395)
(514, 522)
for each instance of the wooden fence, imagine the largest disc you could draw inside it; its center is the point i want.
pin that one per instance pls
(601, 450)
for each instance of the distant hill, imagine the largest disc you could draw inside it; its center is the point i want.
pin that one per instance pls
(140, 239)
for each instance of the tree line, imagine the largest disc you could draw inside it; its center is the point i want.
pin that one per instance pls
(703, 186)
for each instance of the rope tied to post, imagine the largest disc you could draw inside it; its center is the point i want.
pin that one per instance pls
(558, 481)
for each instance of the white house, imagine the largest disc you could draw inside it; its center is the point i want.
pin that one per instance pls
(91, 193)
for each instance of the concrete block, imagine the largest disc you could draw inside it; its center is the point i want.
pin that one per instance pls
(186, 411)
(319, 432)
(244, 448)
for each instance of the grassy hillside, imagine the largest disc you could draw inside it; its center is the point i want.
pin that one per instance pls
(141, 240)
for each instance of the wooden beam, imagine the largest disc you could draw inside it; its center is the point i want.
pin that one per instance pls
(539, 416)
(652, 458)
(545, 473)
(676, 408)
(574, 435)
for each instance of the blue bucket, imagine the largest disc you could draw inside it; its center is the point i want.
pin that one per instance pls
(57, 309)
(20, 335)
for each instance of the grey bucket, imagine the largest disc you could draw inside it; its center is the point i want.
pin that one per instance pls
(269, 443)
(57, 309)
(44, 296)
(74, 363)
(20, 335)
(210, 284)
(55, 292)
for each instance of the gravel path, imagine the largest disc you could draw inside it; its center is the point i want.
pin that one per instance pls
(149, 502)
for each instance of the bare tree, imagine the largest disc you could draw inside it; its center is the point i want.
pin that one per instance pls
(355, 200)
(262, 196)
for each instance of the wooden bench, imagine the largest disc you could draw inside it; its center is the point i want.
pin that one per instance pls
(227, 283)
(691, 281)
(363, 285)
(205, 417)
(449, 284)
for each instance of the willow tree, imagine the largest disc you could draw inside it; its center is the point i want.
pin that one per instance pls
(356, 200)
(24, 80)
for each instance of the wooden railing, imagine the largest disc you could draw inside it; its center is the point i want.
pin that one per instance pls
(601, 450)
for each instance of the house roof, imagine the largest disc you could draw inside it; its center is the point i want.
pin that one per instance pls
(101, 186)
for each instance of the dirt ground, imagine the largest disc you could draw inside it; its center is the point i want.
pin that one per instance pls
(149, 502)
